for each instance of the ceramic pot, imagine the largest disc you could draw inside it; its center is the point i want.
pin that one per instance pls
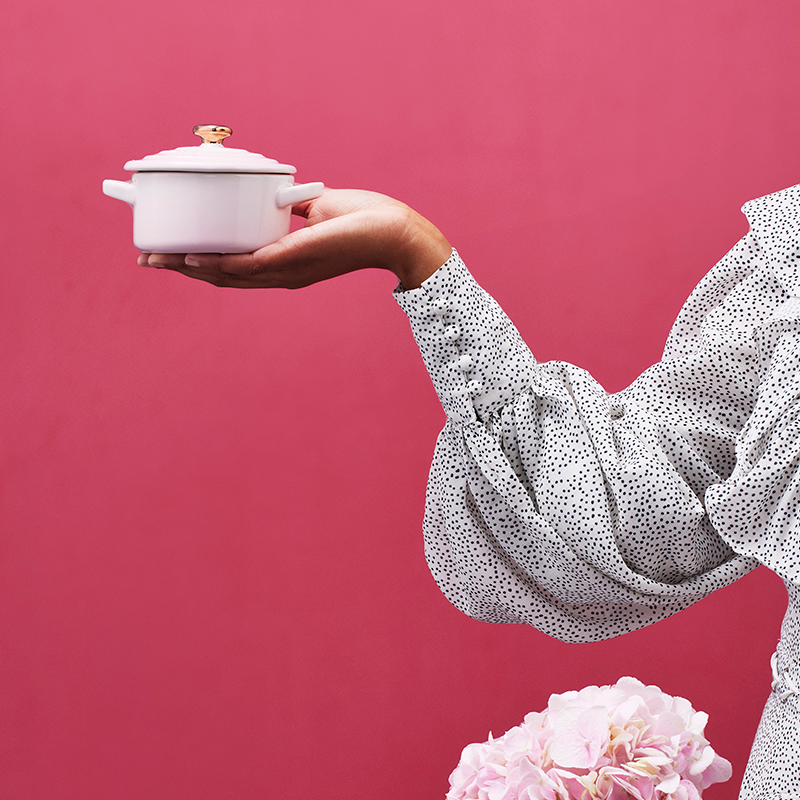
(209, 198)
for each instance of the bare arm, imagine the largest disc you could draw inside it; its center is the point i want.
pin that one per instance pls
(346, 230)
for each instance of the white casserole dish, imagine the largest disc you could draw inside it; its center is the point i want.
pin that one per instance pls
(209, 198)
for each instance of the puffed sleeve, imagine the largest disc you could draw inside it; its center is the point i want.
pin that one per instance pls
(553, 503)
(756, 507)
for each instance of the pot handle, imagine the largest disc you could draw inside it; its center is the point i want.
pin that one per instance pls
(297, 193)
(120, 190)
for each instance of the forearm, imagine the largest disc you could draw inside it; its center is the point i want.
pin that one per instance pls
(474, 354)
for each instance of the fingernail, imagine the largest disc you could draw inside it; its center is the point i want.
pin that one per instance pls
(142, 260)
(191, 262)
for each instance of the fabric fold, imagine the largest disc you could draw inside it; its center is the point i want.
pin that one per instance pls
(586, 514)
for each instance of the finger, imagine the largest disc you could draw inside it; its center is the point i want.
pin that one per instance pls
(169, 260)
(272, 258)
(231, 263)
(213, 276)
(175, 262)
(304, 209)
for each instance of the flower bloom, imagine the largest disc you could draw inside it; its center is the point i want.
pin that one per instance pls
(622, 742)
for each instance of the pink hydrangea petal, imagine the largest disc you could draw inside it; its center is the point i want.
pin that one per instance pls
(687, 791)
(718, 771)
(536, 784)
(501, 791)
(668, 724)
(669, 784)
(626, 786)
(581, 737)
(702, 760)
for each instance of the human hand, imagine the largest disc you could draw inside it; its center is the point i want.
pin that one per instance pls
(346, 230)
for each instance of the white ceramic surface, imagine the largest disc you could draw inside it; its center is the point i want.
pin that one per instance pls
(209, 199)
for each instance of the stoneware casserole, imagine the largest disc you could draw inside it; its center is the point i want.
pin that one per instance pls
(209, 198)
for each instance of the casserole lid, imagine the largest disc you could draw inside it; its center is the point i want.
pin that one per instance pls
(210, 156)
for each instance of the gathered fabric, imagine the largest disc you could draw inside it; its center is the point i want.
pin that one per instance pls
(586, 514)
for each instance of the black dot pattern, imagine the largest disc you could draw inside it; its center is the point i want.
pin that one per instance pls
(773, 770)
(588, 515)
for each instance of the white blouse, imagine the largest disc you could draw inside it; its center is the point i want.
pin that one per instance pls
(587, 514)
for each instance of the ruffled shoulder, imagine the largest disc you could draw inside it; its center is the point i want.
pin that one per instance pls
(775, 221)
(757, 509)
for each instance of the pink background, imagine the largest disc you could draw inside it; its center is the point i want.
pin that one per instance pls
(211, 574)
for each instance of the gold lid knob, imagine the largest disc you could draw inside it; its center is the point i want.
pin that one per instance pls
(212, 134)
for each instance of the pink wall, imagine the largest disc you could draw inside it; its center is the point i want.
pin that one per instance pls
(211, 574)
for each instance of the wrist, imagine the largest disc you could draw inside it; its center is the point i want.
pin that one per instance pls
(422, 250)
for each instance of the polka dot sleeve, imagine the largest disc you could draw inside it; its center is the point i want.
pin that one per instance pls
(476, 357)
(553, 503)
